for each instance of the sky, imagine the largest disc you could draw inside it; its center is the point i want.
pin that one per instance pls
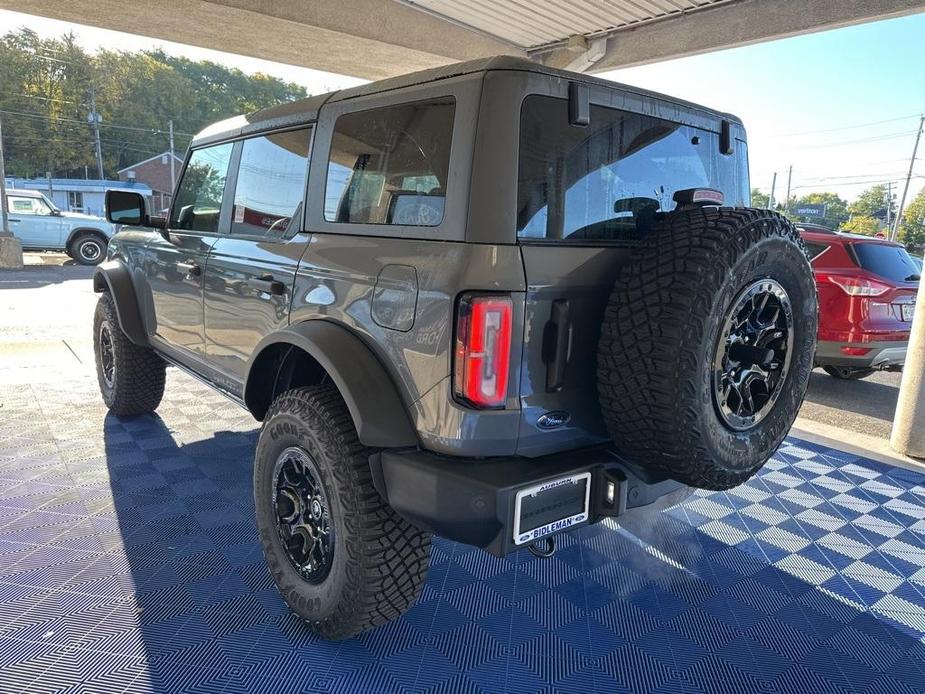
(841, 107)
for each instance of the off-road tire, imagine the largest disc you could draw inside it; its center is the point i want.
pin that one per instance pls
(659, 337)
(379, 562)
(139, 373)
(83, 243)
(847, 373)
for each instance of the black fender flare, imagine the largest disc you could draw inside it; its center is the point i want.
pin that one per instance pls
(113, 276)
(85, 230)
(372, 397)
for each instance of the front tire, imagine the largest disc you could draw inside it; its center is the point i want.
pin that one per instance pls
(342, 559)
(847, 373)
(131, 377)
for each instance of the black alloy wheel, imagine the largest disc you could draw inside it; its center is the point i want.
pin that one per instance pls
(303, 517)
(107, 355)
(753, 354)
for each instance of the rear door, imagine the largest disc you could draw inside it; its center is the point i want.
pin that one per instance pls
(175, 266)
(250, 271)
(587, 195)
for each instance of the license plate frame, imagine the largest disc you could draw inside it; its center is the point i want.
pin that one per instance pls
(906, 312)
(551, 528)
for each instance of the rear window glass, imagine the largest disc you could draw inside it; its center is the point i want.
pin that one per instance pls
(390, 165)
(606, 181)
(892, 262)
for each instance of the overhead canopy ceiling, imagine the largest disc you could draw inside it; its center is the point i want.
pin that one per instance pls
(532, 24)
(381, 38)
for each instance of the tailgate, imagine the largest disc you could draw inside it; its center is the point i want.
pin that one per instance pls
(567, 290)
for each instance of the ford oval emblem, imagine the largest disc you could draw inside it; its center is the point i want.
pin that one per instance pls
(553, 420)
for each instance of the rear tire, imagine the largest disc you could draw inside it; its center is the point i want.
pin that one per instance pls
(366, 565)
(683, 310)
(846, 373)
(131, 377)
(88, 249)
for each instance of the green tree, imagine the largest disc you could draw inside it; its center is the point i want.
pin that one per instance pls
(862, 224)
(759, 199)
(912, 227)
(871, 202)
(46, 92)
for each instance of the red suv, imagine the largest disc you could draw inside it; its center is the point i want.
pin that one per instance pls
(867, 289)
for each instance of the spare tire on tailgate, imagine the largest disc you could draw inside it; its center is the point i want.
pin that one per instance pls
(707, 344)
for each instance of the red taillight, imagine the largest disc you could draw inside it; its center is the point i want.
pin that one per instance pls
(483, 349)
(855, 285)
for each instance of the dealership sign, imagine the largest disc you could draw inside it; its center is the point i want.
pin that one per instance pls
(809, 210)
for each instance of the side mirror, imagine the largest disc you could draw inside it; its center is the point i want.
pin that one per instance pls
(124, 207)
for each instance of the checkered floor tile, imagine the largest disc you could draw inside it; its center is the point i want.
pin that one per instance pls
(129, 562)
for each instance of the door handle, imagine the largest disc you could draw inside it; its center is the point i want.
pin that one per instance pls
(10, 219)
(267, 284)
(191, 269)
(556, 340)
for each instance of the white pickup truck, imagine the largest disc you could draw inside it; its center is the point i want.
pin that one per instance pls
(39, 225)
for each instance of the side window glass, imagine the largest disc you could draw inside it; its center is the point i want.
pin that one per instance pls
(271, 184)
(199, 195)
(20, 205)
(390, 165)
(815, 249)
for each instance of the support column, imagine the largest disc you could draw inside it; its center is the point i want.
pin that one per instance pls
(908, 435)
(10, 246)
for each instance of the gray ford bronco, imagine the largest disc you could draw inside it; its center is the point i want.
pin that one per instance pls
(491, 301)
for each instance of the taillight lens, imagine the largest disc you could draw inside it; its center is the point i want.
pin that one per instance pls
(483, 349)
(854, 285)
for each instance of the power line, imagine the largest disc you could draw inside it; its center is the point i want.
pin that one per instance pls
(64, 119)
(845, 127)
(875, 138)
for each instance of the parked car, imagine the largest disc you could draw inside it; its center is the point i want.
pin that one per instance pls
(867, 290)
(41, 226)
(497, 302)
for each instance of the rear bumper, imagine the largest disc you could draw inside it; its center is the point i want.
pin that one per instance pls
(473, 501)
(882, 355)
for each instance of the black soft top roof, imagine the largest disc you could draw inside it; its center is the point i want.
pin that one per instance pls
(305, 110)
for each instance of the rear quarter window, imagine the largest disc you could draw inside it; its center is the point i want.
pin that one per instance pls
(814, 249)
(390, 165)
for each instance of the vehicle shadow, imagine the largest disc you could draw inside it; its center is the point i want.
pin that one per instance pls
(35, 276)
(862, 397)
(185, 520)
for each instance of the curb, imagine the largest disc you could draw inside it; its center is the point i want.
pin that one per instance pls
(855, 443)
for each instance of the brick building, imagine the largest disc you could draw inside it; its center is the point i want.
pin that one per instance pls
(155, 173)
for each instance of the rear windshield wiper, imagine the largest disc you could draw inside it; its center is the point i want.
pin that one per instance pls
(913, 278)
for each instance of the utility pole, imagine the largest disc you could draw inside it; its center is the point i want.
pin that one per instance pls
(4, 222)
(889, 204)
(787, 199)
(95, 119)
(10, 247)
(173, 175)
(771, 196)
(902, 200)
